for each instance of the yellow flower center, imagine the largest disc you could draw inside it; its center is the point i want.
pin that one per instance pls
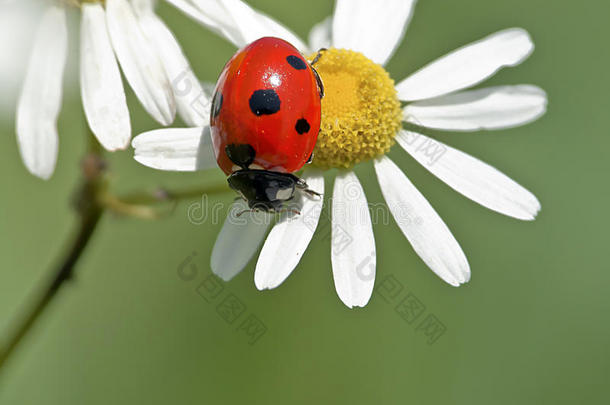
(361, 112)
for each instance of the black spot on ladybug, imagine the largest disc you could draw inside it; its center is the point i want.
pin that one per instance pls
(264, 102)
(296, 62)
(302, 126)
(241, 154)
(217, 104)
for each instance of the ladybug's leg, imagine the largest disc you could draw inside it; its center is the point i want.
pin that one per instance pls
(240, 213)
(315, 72)
(291, 210)
(318, 56)
(301, 185)
(312, 193)
(319, 80)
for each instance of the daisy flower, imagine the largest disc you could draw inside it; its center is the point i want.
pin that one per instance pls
(17, 21)
(113, 33)
(362, 118)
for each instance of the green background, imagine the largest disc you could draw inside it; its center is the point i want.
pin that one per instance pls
(530, 328)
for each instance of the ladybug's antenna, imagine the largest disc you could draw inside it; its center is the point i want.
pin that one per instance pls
(240, 213)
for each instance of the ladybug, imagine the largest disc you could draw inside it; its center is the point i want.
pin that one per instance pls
(265, 120)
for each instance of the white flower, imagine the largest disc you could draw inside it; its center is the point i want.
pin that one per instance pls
(435, 99)
(17, 21)
(113, 33)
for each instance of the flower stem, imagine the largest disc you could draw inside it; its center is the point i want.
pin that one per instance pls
(141, 204)
(93, 200)
(88, 222)
(161, 195)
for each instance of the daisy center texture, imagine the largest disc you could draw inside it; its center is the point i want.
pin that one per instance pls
(361, 112)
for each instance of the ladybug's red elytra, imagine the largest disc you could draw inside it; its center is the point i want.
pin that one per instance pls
(265, 121)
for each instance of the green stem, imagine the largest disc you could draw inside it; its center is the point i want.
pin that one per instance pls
(87, 226)
(141, 204)
(93, 200)
(163, 195)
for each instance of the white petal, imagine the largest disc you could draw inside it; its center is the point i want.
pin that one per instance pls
(18, 23)
(40, 99)
(236, 21)
(143, 6)
(192, 103)
(289, 238)
(140, 62)
(374, 28)
(101, 84)
(254, 25)
(238, 240)
(213, 15)
(468, 65)
(320, 35)
(175, 149)
(352, 243)
(469, 176)
(489, 108)
(422, 226)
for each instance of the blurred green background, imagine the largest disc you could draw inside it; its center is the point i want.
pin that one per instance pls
(530, 328)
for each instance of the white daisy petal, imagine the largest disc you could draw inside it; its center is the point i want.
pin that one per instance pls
(236, 21)
(238, 240)
(212, 15)
(175, 149)
(143, 6)
(489, 108)
(374, 28)
(40, 100)
(18, 23)
(192, 103)
(352, 243)
(102, 90)
(320, 35)
(422, 226)
(289, 238)
(468, 65)
(139, 61)
(469, 176)
(254, 24)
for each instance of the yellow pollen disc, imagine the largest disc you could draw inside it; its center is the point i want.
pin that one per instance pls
(361, 112)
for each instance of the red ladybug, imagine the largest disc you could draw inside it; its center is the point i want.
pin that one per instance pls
(265, 121)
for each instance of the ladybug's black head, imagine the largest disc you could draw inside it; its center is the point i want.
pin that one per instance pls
(263, 189)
